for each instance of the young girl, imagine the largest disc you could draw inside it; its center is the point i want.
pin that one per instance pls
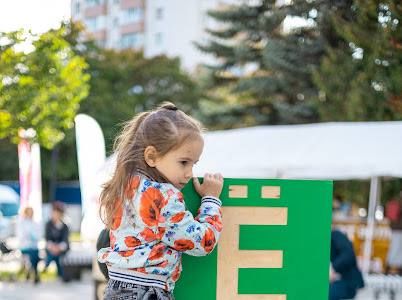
(142, 205)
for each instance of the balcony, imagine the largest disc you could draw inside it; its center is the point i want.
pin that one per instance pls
(97, 10)
(132, 27)
(125, 4)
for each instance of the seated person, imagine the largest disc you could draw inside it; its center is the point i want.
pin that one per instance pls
(345, 277)
(28, 233)
(56, 235)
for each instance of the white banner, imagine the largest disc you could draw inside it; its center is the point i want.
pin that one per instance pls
(30, 177)
(25, 171)
(91, 157)
(35, 197)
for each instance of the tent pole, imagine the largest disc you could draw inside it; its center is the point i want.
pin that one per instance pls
(373, 200)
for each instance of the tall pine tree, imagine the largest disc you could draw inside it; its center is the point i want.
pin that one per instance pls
(268, 63)
(362, 81)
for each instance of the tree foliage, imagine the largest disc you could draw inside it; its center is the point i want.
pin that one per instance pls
(360, 81)
(267, 62)
(40, 87)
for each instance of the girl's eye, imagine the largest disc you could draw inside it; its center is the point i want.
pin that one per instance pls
(183, 163)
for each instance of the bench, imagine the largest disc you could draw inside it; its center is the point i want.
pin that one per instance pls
(384, 284)
(77, 259)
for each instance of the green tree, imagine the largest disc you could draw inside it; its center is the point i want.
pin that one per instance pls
(269, 53)
(361, 80)
(42, 88)
(9, 163)
(267, 63)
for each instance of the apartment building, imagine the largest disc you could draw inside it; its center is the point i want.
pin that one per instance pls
(158, 27)
(115, 24)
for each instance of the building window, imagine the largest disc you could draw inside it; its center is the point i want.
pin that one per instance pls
(77, 7)
(134, 14)
(94, 2)
(92, 24)
(95, 23)
(159, 13)
(100, 43)
(115, 21)
(132, 40)
(159, 39)
(116, 1)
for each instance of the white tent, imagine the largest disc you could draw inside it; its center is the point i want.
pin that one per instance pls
(315, 151)
(345, 151)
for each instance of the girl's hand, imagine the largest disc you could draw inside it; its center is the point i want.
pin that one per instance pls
(211, 186)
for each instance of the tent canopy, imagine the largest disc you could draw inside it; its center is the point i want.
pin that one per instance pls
(354, 150)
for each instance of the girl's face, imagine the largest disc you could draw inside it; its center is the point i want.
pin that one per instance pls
(177, 165)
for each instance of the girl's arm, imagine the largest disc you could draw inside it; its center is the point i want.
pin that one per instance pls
(194, 236)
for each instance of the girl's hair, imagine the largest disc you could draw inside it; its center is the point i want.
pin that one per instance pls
(165, 128)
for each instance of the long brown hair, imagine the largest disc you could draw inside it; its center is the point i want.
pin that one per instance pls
(165, 128)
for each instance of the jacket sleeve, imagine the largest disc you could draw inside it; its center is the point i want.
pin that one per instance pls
(194, 236)
(65, 243)
(346, 257)
(47, 231)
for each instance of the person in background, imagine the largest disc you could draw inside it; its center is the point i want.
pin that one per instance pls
(28, 234)
(56, 235)
(345, 277)
(341, 208)
(393, 212)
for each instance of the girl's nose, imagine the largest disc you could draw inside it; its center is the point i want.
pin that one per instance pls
(189, 174)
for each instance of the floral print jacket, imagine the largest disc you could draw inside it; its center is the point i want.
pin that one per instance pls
(152, 229)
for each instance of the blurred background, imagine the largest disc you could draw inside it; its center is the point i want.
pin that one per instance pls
(231, 63)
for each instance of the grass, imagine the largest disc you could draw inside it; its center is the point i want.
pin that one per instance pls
(75, 237)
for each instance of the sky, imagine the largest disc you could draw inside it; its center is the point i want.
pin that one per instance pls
(36, 15)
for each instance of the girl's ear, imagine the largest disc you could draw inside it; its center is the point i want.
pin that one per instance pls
(150, 155)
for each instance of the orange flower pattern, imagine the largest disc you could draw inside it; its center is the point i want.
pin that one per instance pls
(152, 228)
(157, 251)
(131, 241)
(148, 234)
(178, 217)
(132, 187)
(118, 215)
(183, 245)
(208, 241)
(151, 204)
(216, 222)
(176, 273)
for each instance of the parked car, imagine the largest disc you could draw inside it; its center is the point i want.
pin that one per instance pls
(9, 206)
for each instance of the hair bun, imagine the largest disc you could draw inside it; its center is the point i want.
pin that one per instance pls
(168, 106)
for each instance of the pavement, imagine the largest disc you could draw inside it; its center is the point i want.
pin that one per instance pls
(49, 290)
(46, 291)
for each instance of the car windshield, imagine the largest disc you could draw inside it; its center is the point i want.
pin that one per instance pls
(8, 209)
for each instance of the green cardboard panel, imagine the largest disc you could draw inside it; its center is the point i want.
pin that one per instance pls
(304, 240)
